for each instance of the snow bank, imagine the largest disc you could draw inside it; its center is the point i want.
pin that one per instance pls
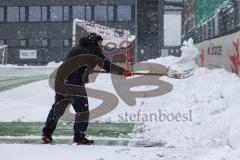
(8, 66)
(189, 52)
(212, 96)
(186, 61)
(54, 64)
(49, 65)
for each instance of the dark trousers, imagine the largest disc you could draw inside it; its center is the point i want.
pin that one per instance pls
(80, 105)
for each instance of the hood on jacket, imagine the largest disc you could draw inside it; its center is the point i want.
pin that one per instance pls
(90, 40)
(85, 42)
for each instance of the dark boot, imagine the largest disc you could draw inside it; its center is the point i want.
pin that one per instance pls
(51, 122)
(80, 139)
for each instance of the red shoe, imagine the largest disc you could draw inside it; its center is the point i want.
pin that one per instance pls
(47, 138)
(127, 74)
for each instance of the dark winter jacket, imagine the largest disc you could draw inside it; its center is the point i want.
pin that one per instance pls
(85, 47)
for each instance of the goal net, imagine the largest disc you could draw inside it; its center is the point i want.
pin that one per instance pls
(115, 40)
(3, 54)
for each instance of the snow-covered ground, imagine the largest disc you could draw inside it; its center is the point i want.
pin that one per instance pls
(211, 95)
(211, 131)
(62, 152)
(32, 102)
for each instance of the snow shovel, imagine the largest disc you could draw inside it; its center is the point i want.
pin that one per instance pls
(169, 73)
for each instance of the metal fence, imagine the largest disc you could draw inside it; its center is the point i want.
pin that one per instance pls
(214, 19)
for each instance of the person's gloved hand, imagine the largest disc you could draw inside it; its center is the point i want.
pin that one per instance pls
(127, 73)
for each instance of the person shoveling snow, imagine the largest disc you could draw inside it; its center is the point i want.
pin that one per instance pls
(88, 46)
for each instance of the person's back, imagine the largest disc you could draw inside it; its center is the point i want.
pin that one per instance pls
(85, 47)
(88, 45)
(76, 77)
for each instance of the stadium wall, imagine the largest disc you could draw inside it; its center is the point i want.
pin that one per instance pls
(222, 52)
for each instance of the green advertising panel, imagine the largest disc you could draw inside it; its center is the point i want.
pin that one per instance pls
(204, 9)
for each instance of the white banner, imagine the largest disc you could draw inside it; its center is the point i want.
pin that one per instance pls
(28, 54)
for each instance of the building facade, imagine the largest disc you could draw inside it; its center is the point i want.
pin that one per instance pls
(46, 25)
(40, 31)
(150, 28)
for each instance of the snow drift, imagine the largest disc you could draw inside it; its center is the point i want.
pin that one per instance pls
(213, 98)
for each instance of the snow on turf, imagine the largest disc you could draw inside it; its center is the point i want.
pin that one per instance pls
(63, 152)
(49, 65)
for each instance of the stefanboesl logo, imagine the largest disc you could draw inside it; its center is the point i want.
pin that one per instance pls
(110, 101)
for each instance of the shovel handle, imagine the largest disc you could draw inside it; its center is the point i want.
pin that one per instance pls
(137, 73)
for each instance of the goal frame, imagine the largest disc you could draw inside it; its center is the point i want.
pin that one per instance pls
(4, 57)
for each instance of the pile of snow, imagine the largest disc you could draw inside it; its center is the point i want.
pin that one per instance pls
(8, 66)
(49, 65)
(211, 99)
(54, 64)
(185, 62)
(189, 52)
(166, 61)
